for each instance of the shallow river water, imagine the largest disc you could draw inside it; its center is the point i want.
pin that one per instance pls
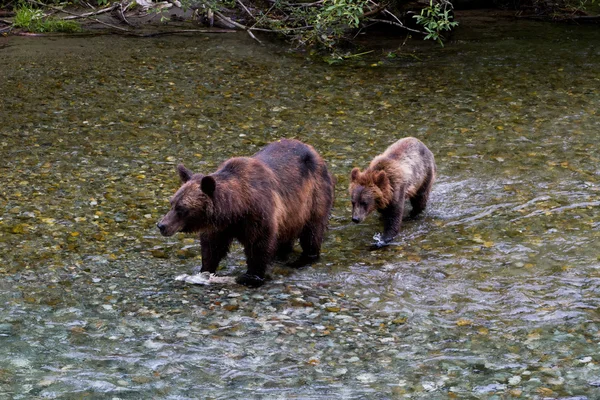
(493, 293)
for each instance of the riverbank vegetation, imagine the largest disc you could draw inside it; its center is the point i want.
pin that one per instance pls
(320, 24)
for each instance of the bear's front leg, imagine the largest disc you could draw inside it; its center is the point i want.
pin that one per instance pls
(259, 254)
(392, 218)
(214, 247)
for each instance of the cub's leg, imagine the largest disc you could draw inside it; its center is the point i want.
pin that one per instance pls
(392, 218)
(214, 247)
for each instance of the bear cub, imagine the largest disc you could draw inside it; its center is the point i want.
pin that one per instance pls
(405, 170)
(267, 201)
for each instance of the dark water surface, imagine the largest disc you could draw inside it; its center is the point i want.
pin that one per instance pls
(494, 293)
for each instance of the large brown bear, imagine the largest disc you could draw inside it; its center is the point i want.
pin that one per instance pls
(266, 202)
(406, 170)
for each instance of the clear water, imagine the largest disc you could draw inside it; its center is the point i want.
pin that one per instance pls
(494, 293)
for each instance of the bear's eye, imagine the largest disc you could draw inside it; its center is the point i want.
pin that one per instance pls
(180, 210)
(363, 204)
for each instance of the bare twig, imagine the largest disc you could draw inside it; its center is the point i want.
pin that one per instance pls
(263, 16)
(316, 3)
(121, 11)
(245, 9)
(3, 21)
(385, 21)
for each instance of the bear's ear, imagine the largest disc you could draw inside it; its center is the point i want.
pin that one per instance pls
(354, 174)
(208, 185)
(381, 180)
(184, 173)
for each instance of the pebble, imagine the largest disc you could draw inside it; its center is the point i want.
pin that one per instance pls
(514, 380)
(151, 344)
(556, 381)
(46, 382)
(366, 378)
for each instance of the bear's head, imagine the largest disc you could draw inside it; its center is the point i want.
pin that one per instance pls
(192, 205)
(368, 191)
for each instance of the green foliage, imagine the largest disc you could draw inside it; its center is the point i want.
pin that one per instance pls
(34, 20)
(322, 25)
(344, 12)
(436, 19)
(26, 17)
(580, 5)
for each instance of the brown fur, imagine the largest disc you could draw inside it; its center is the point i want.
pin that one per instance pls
(266, 202)
(405, 170)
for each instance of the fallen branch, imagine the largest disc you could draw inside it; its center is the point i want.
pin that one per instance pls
(581, 18)
(237, 25)
(186, 31)
(89, 14)
(71, 13)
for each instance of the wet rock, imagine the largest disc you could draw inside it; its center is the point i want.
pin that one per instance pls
(151, 344)
(331, 307)
(6, 329)
(494, 387)
(159, 253)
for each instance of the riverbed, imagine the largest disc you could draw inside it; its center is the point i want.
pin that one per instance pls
(493, 293)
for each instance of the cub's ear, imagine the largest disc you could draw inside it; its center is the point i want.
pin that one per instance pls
(208, 185)
(184, 173)
(381, 180)
(354, 174)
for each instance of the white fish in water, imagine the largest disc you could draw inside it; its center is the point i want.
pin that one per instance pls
(206, 278)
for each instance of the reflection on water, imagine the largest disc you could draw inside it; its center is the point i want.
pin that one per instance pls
(494, 292)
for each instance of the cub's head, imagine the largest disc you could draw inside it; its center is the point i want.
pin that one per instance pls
(367, 192)
(191, 206)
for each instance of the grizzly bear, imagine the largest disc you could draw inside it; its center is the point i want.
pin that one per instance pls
(267, 201)
(405, 170)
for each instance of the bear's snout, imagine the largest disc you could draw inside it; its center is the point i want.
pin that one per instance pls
(355, 220)
(162, 228)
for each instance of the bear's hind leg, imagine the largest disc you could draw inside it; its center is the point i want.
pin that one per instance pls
(311, 239)
(419, 201)
(284, 250)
